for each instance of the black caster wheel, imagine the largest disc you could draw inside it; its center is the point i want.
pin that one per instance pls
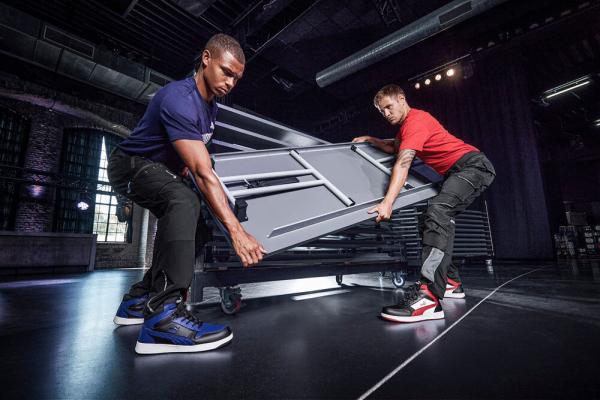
(231, 300)
(339, 279)
(398, 279)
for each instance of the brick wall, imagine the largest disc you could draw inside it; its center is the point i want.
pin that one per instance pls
(115, 255)
(126, 255)
(36, 202)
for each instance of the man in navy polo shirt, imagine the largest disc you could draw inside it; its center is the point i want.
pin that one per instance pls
(146, 168)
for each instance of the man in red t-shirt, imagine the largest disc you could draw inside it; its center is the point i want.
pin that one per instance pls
(467, 174)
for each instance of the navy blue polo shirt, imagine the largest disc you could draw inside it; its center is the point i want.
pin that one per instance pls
(177, 111)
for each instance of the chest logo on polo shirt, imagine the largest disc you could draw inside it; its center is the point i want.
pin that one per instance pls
(206, 137)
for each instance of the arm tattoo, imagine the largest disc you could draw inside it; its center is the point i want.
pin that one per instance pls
(405, 158)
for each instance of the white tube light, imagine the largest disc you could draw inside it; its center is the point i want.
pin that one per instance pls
(575, 85)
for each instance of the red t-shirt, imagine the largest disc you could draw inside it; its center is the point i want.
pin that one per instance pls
(437, 147)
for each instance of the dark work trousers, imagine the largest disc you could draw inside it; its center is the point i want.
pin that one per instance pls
(464, 182)
(180, 230)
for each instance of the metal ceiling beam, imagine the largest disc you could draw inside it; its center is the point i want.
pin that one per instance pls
(145, 22)
(58, 106)
(152, 13)
(213, 25)
(194, 7)
(388, 10)
(269, 11)
(246, 12)
(264, 45)
(115, 24)
(55, 16)
(129, 8)
(174, 30)
(136, 29)
(117, 32)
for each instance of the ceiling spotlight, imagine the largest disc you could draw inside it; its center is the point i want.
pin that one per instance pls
(427, 81)
(438, 77)
(417, 85)
(450, 72)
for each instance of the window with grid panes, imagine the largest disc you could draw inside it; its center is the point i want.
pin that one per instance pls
(106, 225)
(14, 132)
(79, 166)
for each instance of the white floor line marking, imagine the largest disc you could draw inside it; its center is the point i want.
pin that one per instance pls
(320, 294)
(418, 353)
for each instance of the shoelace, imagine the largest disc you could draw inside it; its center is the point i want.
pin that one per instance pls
(187, 315)
(411, 293)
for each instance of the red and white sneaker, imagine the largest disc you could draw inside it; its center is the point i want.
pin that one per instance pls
(419, 305)
(454, 290)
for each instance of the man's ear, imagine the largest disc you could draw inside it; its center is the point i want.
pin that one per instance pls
(206, 57)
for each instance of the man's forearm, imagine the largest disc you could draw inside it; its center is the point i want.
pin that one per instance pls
(397, 181)
(399, 174)
(197, 160)
(383, 145)
(215, 195)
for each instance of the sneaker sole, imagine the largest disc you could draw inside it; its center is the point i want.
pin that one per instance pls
(450, 295)
(158, 348)
(128, 321)
(417, 318)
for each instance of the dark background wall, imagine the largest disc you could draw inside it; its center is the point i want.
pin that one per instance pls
(492, 110)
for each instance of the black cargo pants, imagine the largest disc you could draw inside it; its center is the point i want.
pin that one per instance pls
(464, 182)
(180, 230)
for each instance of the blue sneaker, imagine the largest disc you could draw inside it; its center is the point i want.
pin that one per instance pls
(173, 329)
(131, 310)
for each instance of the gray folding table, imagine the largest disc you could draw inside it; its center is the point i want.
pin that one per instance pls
(288, 197)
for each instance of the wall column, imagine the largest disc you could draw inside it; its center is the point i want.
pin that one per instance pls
(36, 202)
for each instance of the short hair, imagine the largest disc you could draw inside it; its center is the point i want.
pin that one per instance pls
(219, 43)
(388, 90)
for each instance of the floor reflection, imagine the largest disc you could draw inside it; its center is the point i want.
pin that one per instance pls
(59, 340)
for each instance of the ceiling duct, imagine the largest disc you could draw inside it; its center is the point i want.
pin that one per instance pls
(443, 18)
(29, 39)
(67, 41)
(194, 7)
(53, 105)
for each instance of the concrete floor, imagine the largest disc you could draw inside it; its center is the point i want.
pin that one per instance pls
(538, 336)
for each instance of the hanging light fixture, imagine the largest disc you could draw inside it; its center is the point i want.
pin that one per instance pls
(83, 201)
